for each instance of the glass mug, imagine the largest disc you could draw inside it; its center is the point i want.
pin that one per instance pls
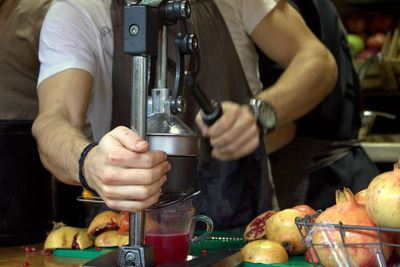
(170, 230)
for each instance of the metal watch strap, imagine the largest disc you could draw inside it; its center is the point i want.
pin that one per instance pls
(266, 116)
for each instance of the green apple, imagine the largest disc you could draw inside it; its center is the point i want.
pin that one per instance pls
(356, 43)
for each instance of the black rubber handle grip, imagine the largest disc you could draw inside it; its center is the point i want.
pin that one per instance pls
(210, 110)
(216, 113)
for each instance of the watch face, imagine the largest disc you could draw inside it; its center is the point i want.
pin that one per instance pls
(267, 116)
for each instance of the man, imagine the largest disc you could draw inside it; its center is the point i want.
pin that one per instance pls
(75, 81)
(325, 154)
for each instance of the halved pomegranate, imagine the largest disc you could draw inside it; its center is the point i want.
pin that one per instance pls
(256, 228)
(68, 237)
(104, 221)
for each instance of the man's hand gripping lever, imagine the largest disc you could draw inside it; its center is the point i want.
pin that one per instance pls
(211, 111)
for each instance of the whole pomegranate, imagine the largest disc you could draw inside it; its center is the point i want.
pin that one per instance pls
(328, 240)
(382, 199)
(306, 209)
(281, 228)
(356, 22)
(256, 228)
(380, 24)
(376, 40)
(264, 251)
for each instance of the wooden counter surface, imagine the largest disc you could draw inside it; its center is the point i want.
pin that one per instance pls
(16, 257)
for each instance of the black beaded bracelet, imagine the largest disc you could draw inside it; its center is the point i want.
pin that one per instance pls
(81, 161)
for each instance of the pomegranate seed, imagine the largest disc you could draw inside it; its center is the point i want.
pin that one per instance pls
(29, 249)
(45, 253)
(26, 263)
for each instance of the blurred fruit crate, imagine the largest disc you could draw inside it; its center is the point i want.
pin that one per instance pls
(372, 76)
(392, 58)
(376, 72)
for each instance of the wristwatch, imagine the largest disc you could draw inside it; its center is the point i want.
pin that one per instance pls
(265, 114)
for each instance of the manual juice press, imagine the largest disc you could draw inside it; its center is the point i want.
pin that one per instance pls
(153, 116)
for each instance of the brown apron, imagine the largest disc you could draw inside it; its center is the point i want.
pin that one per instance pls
(233, 192)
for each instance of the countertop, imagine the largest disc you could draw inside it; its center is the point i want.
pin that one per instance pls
(16, 257)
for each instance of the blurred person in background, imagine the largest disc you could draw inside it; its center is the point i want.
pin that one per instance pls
(27, 191)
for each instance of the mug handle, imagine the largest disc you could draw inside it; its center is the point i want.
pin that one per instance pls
(210, 227)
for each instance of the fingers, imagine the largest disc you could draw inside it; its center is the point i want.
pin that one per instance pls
(123, 147)
(131, 189)
(134, 176)
(200, 123)
(133, 192)
(125, 174)
(129, 139)
(235, 134)
(240, 126)
(132, 198)
(232, 154)
(128, 159)
(232, 115)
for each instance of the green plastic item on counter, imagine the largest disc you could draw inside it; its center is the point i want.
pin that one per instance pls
(89, 253)
(219, 240)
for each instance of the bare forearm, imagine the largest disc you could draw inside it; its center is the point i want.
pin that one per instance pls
(305, 83)
(61, 160)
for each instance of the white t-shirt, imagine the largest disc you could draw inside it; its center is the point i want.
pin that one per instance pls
(78, 34)
(242, 17)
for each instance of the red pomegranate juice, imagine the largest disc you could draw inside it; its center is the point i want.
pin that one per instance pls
(169, 247)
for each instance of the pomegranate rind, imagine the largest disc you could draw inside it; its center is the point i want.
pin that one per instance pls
(397, 241)
(256, 228)
(360, 197)
(108, 239)
(330, 248)
(311, 257)
(264, 251)
(123, 222)
(281, 228)
(306, 209)
(104, 221)
(65, 236)
(382, 199)
(123, 240)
